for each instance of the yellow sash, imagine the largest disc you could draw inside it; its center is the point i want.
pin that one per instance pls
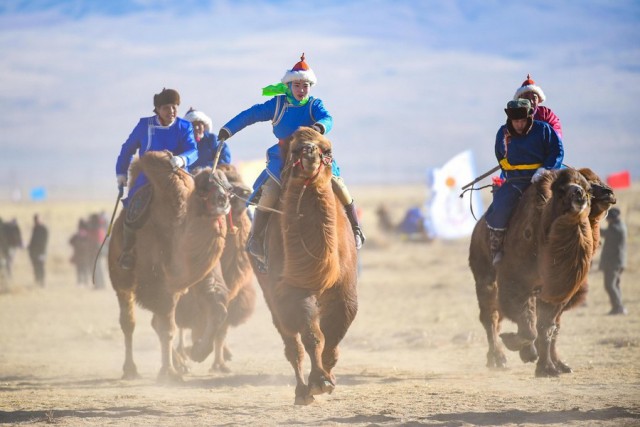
(504, 163)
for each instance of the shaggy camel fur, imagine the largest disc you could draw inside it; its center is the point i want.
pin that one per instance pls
(179, 244)
(310, 283)
(548, 250)
(231, 293)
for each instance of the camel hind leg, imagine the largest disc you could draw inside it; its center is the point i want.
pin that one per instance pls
(490, 314)
(163, 322)
(128, 325)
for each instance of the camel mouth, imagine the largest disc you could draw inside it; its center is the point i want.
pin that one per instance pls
(603, 194)
(217, 202)
(579, 198)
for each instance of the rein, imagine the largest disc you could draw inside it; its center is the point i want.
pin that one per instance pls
(472, 188)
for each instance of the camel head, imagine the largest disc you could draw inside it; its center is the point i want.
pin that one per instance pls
(214, 191)
(309, 154)
(571, 191)
(240, 192)
(602, 196)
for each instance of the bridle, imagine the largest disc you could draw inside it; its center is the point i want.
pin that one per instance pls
(326, 158)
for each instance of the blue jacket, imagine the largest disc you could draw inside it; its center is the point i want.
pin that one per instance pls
(150, 135)
(522, 155)
(286, 118)
(207, 147)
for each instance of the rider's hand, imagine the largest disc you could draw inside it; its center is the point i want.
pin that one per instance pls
(177, 162)
(318, 128)
(539, 174)
(122, 180)
(223, 135)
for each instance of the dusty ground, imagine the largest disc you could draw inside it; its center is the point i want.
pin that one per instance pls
(414, 356)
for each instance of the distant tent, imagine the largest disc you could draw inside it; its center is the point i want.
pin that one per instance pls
(38, 194)
(619, 179)
(448, 215)
(413, 221)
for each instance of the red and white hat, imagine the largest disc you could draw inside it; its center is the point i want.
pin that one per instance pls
(530, 86)
(300, 71)
(198, 116)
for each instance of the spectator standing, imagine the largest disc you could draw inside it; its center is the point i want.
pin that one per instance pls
(614, 258)
(14, 240)
(82, 254)
(38, 249)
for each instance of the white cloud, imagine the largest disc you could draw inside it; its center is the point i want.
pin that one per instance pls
(410, 84)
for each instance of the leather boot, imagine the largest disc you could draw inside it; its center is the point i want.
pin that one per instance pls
(127, 259)
(496, 238)
(255, 243)
(352, 215)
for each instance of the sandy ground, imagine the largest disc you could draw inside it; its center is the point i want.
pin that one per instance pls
(414, 356)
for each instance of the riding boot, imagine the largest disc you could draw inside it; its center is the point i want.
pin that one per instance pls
(127, 259)
(352, 214)
(255, 243)
(496, 238)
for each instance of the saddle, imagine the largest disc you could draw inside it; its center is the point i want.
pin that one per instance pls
(137, 212)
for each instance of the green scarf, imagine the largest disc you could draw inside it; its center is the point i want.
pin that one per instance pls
(283, 89)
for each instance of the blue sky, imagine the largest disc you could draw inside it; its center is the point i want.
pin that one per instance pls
(410, 83)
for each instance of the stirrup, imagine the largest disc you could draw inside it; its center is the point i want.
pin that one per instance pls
(359, 236)
(256, 249)
(126, 261)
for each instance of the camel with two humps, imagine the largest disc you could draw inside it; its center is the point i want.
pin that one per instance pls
(178, 245)
(548, 248)
(310, 281)
(229, 291)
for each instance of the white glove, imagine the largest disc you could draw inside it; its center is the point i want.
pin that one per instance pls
(318, 128)
(177, 162)
(122, 180)
(539, 174)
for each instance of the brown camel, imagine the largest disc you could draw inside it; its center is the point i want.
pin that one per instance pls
(547, 255)
(230, 293)
(178, 245)
(310, 282)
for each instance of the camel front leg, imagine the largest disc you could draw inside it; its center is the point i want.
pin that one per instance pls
(339, 307)
(298, 323)
(128, 325)
(219, 360)
(560, 365)
(294, 352)
(547, 314)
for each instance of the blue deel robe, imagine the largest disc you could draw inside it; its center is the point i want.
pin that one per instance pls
(150, 135)
(519, 159)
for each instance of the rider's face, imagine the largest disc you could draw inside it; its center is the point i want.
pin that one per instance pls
(167, 113)
(533, 97)
(300, 89)
(519, 125)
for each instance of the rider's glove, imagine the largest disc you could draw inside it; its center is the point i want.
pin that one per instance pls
(122, 180)
(539, 174)
(318, 128)
(223, 135)
(177, 162)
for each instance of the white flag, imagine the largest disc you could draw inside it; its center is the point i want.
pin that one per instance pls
(448, 215)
